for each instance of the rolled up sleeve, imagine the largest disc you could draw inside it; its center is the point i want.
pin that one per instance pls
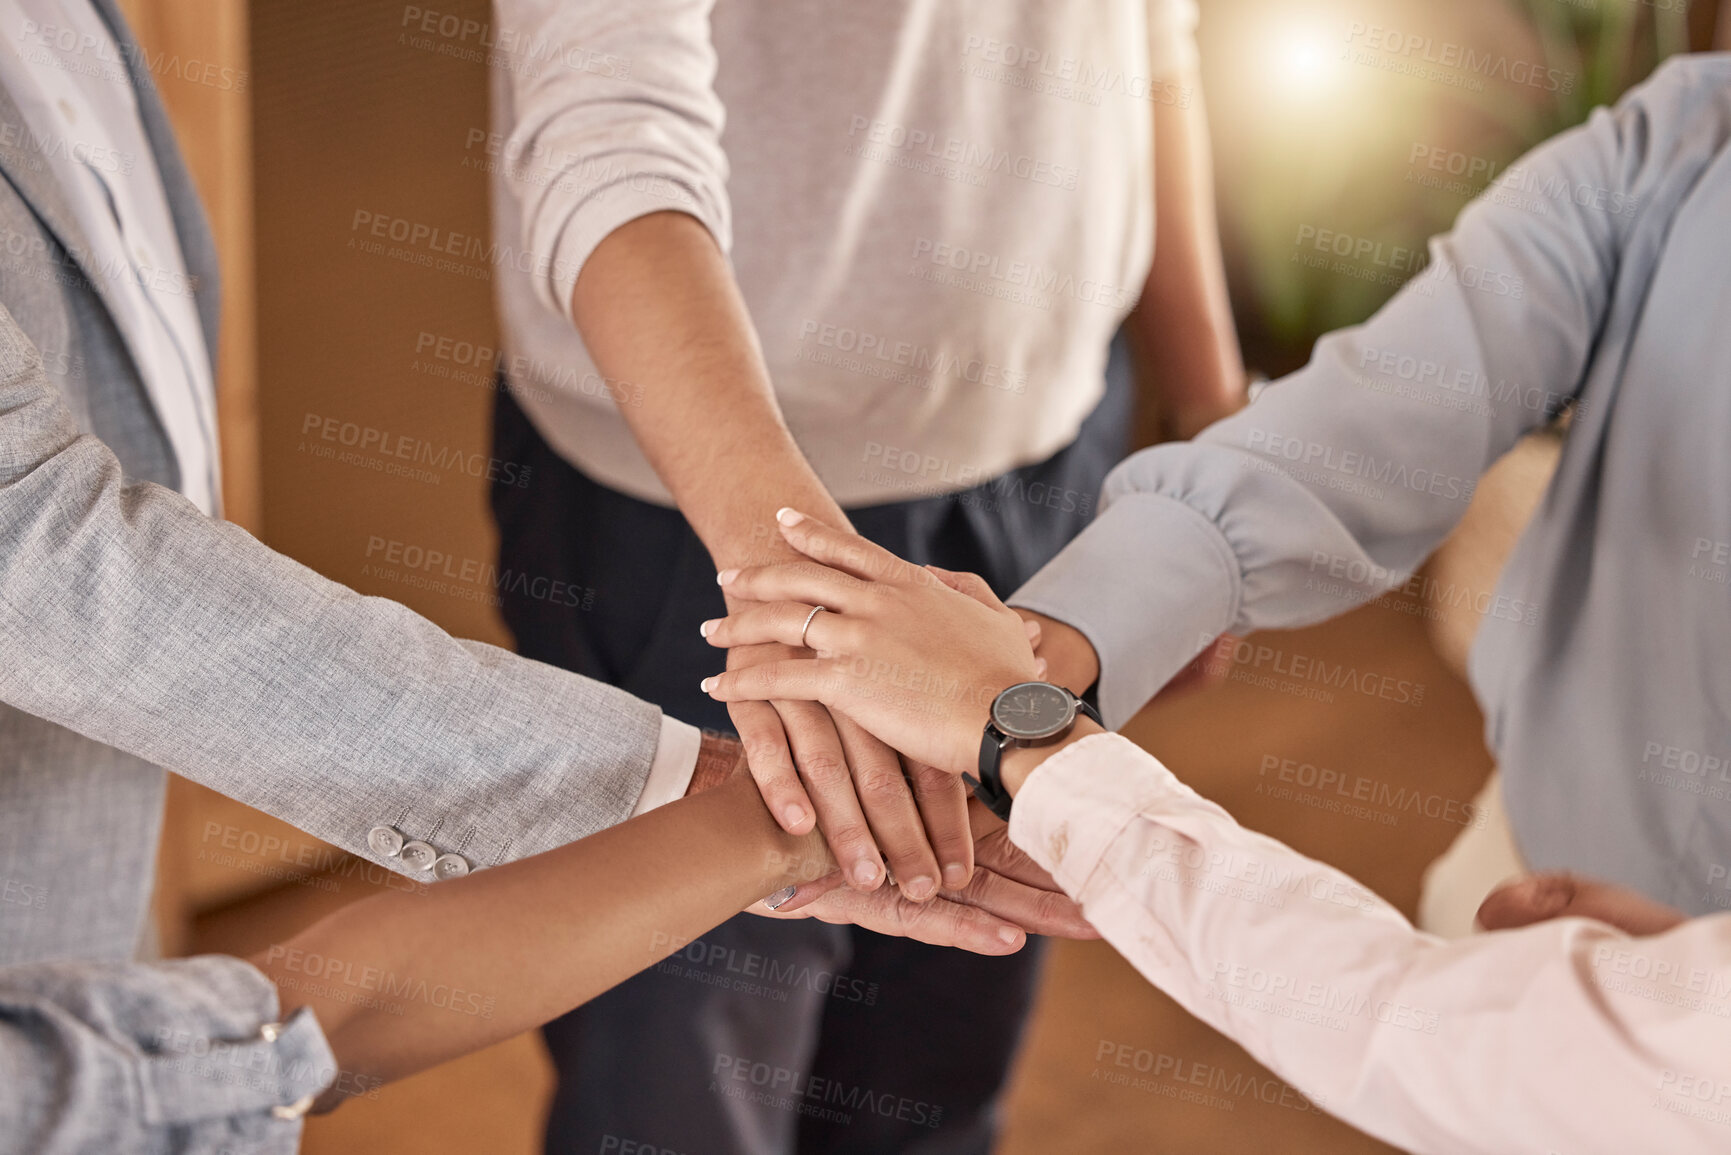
(1172, 51)
(616, 117)
(184, 1056)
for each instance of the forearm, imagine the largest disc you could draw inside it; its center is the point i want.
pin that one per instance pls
(403, 981)
(1182, 327)
(1412, 1039)
(135, 620)
(657, 306)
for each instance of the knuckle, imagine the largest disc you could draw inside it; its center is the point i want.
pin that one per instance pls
(823, 769)
(931, 780)
(880, 781)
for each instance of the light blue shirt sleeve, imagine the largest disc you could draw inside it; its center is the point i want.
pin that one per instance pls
(183, 1056)
(1343, 477)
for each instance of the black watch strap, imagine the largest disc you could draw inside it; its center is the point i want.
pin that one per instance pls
(989, 786)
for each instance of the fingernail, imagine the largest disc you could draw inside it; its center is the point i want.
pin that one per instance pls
(866, 873)
(919, 889)
(792, 815)
(775, 901)
(955, 876)
(707, 684)
(1008, 935)
(726, 576)
(1030, 627)
(787, 515)
(1041, 667)
(708, 627)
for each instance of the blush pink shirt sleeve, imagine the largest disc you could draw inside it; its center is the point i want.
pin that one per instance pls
(1566, 1037)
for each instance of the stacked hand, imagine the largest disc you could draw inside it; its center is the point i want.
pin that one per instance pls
(911, 657)
(913, 654)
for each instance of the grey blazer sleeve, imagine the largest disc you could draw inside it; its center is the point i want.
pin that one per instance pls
(1342, 478)
(128, 616)
(182, 1056)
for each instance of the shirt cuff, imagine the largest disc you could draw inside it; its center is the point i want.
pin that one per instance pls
(675, 763)
(1077, 802)
(1149, 583)
(608, 210)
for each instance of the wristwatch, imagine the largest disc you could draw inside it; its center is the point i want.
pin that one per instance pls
(1026, 714)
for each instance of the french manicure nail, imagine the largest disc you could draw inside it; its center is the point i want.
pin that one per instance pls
(919, 889)
(708, 627)
(955, 876)
(776, 900)
(789, 516)
(726, 576)
(792, 814)
(707, 684)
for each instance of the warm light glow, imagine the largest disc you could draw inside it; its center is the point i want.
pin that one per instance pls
(1304, 65)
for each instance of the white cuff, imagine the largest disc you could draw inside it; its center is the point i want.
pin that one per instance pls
(675, 763)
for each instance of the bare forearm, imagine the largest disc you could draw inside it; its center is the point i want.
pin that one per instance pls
(658, 307)
(1182, 326)
(403, 981)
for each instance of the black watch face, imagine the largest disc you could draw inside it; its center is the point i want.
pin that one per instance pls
(1033, 710)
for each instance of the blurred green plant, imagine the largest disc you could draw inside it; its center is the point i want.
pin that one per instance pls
(1350, 168)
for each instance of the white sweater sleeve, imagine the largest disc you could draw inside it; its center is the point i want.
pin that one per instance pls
(616, 117)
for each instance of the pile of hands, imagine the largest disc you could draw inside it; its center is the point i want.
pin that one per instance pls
(861, 718)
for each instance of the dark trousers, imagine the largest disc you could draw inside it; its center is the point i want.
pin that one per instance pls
(771, 1036)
